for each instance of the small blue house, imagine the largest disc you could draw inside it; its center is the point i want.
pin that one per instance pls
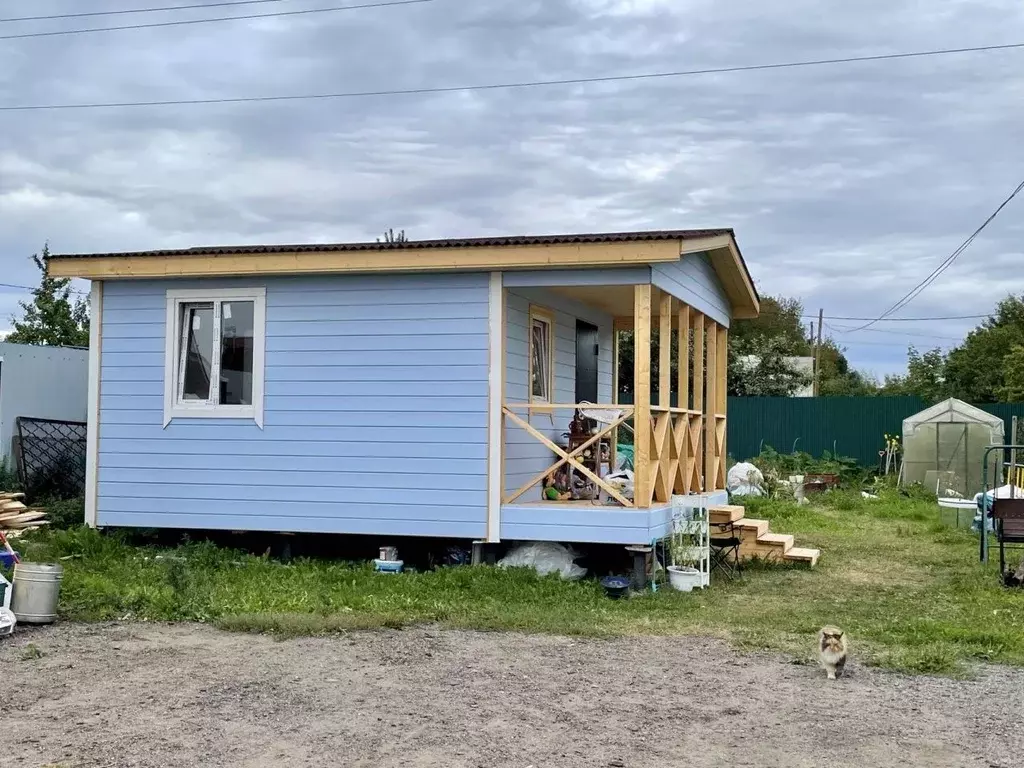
(417, 389)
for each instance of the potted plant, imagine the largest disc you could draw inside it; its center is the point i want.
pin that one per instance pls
(683, 574)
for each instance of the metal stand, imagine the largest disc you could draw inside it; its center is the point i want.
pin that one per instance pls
(693, 520)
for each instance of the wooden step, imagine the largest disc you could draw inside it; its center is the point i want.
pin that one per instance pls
(802, 555)
(725, 513)
(749, 524)
(779, 541)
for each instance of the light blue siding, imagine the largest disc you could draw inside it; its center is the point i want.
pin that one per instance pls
(375, 413)
(597, 524)
(524, 455)
(693, 280)
(589, 525)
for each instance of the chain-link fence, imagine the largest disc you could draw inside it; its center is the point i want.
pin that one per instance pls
(51, 457)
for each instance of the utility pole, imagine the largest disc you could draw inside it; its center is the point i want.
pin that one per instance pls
(817, 353)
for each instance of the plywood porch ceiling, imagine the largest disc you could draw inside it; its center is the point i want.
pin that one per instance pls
(616, 300)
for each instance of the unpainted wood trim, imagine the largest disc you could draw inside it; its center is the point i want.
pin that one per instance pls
(566, 457)
(665, 350)
(683, 367)
(482, 258)
(642, 481)
(92, 453)
(538, 312)
(710, 403)
(557, 450)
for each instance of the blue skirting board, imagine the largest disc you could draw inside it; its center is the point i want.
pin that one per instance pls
(596, 524)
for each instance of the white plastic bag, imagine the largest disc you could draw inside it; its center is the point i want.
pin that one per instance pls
(7, 621)
(744, 479)
(545, 557)
(623, 481)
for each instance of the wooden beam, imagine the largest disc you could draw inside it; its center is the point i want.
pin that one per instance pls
(722, 383)
(697, 446)
(710, 407)
(185, 264)
(681, 483)
(721, 407)
(566, 457)
(611, 491)
(665, 351)
(642, 481)
(683, 368)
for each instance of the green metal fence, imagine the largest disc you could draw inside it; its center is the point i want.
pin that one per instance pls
(849, 426)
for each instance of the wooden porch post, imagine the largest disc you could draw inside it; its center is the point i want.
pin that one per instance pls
(722, 387)
(665, 350)
(697, 442)
(662, 448)
(710, 406)
(614, 438)
(642, 480)
(685, 473)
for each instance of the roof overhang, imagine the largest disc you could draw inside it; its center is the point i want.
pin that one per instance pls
(509, 253)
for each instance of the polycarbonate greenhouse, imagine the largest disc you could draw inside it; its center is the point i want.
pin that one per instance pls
(943, 446)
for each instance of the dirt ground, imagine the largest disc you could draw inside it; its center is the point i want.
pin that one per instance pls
(185, 695)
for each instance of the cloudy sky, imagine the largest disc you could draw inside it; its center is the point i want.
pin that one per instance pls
(846, 184)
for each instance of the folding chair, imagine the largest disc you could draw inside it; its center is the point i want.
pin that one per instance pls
(1008, 516)
(725, 549)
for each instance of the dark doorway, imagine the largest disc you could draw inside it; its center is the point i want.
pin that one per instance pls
(587, 349)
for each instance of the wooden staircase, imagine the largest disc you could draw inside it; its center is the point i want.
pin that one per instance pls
(757, 540)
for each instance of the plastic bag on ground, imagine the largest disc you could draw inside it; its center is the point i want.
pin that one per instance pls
(544, 557)
(7, 621)
(744, 479)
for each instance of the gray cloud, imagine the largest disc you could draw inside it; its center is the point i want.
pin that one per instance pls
(846, 184)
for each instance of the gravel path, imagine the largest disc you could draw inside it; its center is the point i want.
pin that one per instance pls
(184, 695)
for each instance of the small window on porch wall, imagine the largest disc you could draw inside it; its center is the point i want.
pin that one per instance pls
(214, 354)
(542, 355)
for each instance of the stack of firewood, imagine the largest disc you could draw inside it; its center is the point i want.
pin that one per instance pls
(15, 516)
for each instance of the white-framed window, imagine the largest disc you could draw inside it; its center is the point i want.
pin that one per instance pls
(542, 355)
(214, 350)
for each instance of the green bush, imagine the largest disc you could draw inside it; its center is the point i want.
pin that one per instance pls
(64, 513)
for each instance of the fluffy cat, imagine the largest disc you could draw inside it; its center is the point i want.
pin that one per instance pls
(832, 651)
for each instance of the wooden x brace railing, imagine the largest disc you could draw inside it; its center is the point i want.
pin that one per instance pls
(569, 458)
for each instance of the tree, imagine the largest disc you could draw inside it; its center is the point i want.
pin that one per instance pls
(51, 318)
(838, 378)
(976, 369)
(394, 237)
(764, 373)
(1012, 389)
(780, 318)
(925, 377)
(986, 368)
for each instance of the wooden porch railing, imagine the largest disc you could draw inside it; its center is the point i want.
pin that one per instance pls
(508, 411)
(675, 456)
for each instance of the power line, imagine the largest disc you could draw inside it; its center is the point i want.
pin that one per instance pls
(918, 289)
(841, 331)
(211, 20)
(31, 288)
(508, 85)
(891, 319)
(876, 344)
(138, 10)
(907, 319)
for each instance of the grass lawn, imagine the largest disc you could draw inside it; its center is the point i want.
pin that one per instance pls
(909, 591)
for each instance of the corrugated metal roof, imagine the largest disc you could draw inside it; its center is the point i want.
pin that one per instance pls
(465, 242)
